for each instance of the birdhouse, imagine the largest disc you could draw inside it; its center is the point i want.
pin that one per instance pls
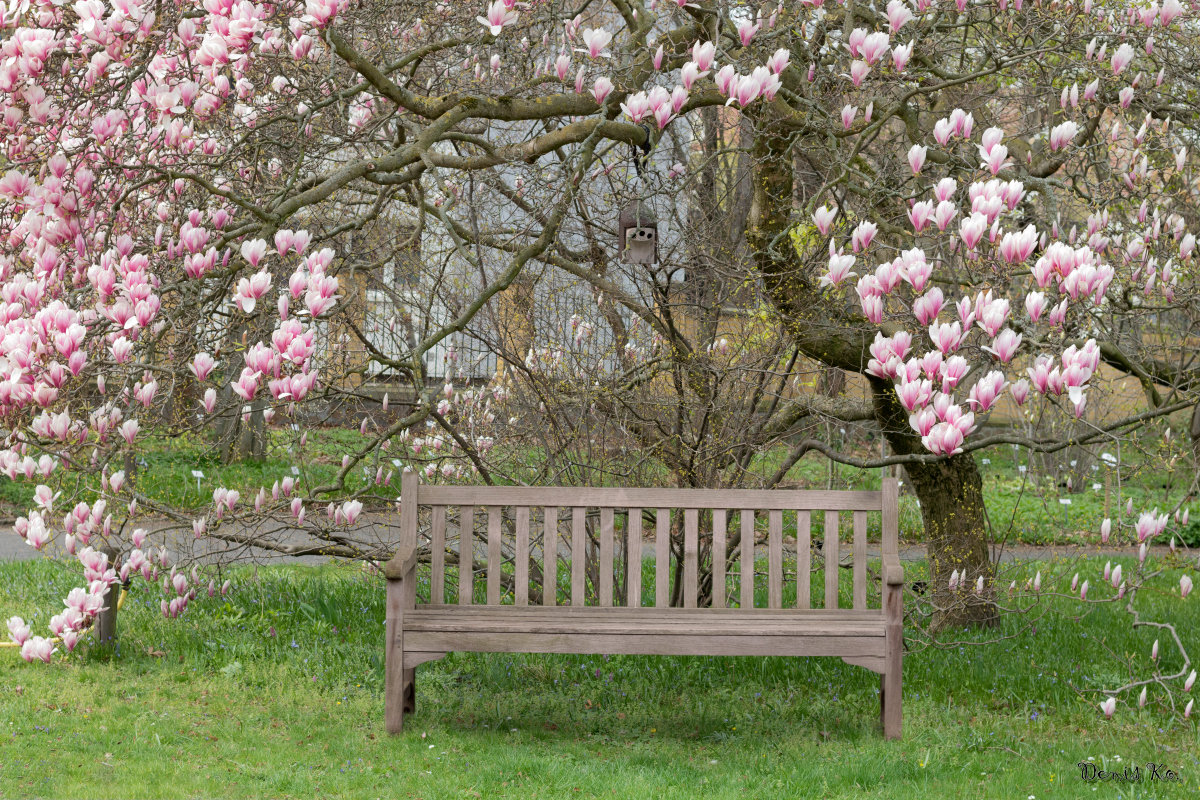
(637, 230)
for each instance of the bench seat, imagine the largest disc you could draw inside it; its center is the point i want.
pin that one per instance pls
(430, 630)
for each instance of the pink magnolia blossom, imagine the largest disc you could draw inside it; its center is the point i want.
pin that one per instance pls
(944, 214)
(18, 631)
(202, 366)
(927, 307)
(637, 107)
(1005, 345)
(920, 214)
(747, 89)
(916, 158)
(601, 89)
(778, 61)
(1108, 706)
(859, 71)
(1017, 247)
(253, 251)
(1121, 58)
(746, 31)
(875, 47)
(898, 14)
(596, 40)
(972, 228)
(1020, 391)
(499, 14)
(839, 270)
(1062, 135)
(863, 235)
(823, 218)
(37, 649)
(1170, 10)
(129, 430)
(944, 439)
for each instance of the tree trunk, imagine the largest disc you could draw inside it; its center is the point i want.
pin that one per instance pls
(1195, 432)
(951, 490)
(106, 620)
(242, 441)
(951, 495)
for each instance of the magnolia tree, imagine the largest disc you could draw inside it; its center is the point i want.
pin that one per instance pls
(960, 200)
(179, 185)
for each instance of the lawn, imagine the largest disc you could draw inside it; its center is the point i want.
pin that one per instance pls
(275, 691)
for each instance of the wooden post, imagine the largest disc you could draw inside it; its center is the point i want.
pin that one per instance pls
(890, 691)
(890, 681)
(401, 573)
(106, 620)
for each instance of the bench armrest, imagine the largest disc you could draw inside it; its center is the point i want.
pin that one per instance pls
(893, 572)
(401, 563)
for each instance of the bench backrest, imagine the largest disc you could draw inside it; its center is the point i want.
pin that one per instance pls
(593, 531)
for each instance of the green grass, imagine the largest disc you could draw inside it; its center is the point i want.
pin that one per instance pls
(165, 465)
(275, 691)
(1021, 508)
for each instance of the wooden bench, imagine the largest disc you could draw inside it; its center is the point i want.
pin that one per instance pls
(603, 530)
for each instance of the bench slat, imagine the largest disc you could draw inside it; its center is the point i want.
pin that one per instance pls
(578, 555)
(718, 558)
(521, 569)
(803, 559)
(550, 556)
(645, 644)
(860, 559)
(662, 558)
(493, 556)
(633, 558)
(606, 557)
(832, 558)
(747, 558)
(757, 499)
(775, 559)
(647, 626)
(437, 556)
(691, 556)
(646, 612)
(466, 555)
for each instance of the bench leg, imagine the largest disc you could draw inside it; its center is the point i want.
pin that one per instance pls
(890, 692)
(410, 690)
(394, 674)
(889, 706)
(399, 683)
